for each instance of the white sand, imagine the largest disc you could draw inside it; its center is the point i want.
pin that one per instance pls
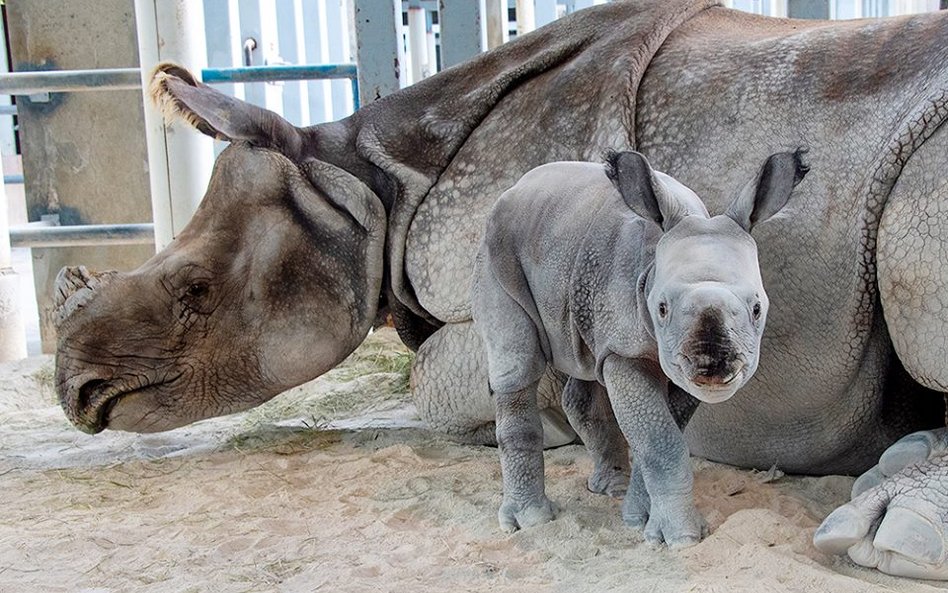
(260, 502)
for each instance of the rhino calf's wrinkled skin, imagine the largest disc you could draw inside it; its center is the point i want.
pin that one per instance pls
(617, 275)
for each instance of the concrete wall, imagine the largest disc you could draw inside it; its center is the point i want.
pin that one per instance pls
(84, 154)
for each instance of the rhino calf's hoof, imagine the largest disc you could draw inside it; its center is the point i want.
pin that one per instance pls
(678, 524)
(608, 480)
(513, 516)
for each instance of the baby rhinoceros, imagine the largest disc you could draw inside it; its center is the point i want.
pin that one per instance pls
(617, 276)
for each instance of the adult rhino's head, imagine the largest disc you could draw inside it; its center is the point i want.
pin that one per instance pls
(705, 300)
(275, 280)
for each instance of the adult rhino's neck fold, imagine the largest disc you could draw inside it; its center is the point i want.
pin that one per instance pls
(413, 135)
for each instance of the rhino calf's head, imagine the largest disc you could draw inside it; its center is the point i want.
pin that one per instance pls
(705, 300)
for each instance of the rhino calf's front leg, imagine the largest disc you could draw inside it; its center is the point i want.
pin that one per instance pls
(586, 404)
(637, 390)
(520, 441)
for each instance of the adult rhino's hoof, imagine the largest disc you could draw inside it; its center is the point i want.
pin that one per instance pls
(896, 520)
(513, 516)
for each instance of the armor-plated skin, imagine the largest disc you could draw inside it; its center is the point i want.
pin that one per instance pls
(617, 275)
(858, 331)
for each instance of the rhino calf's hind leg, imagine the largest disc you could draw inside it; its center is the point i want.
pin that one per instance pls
(520, 440)
(449, 386)
(587, 406)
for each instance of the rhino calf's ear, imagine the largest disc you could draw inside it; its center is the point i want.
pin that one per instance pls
(643, 191)
(632, 176)
(769, 191)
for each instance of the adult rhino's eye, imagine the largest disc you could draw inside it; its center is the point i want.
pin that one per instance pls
(197, 290)
(662, 310)
(756, 311)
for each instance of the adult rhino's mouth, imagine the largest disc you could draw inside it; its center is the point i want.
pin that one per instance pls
(97, 399)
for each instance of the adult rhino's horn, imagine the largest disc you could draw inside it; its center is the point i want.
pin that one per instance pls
(74, 287)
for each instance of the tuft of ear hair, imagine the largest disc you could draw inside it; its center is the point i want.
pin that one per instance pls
(163, 77)
(801, 167)
(610, 162)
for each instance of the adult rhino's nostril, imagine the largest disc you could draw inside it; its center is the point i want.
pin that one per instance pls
(86, 393)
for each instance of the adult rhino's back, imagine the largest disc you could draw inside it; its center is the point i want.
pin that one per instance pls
(574, 111)
(730, 88)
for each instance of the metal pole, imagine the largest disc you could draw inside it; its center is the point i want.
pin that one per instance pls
(80, 235)
(12, 330)
(376, 47)
(496, 23)
(431, 49)
(179, 159)
(526, 17)
(808, 9)
(102, 79)
(460, 22)
(280, 72)
(417, 42)
(545, 12)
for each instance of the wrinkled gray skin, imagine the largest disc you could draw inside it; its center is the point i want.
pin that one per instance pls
(857, 336)
(632, 285)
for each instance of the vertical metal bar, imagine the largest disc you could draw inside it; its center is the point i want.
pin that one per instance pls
(222, 50)
(249, 15)
(808, 9)
(545, 12)
(7, 140)
(460, 22)
(12, 329)
(286, 28)
(496, 17)
(430, 44)
(179, 159)
(376, 47)
(417, 42)
(526, 17)
(355, 94)
(313, 21)
(337, 53)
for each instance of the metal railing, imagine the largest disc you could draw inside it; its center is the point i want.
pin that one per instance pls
(285, 72)
(56, 81)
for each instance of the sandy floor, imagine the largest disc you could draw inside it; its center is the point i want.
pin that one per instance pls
(336, 487)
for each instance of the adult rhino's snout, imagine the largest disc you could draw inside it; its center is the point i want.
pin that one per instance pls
(75, 286)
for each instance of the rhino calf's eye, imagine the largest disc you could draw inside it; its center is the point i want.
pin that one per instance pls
(756, 311)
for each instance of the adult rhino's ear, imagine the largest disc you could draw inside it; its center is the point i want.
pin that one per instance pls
(178, 94)
(768, 192)
(649, 193)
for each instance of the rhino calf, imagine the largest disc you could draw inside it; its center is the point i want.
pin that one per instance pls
(617, 276)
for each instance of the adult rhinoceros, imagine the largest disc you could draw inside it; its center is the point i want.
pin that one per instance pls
(306, 234)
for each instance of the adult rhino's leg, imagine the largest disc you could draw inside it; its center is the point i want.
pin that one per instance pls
(449, 385)
(586, 404)
(912, 268)
(896, 521)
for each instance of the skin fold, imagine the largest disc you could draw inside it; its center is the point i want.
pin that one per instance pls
(306, 235)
